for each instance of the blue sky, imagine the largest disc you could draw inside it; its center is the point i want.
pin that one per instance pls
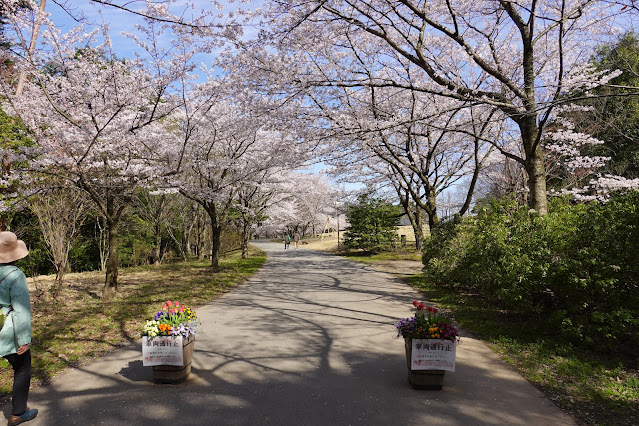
(118, 20)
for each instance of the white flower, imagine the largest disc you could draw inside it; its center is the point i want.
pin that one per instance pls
(151, 328)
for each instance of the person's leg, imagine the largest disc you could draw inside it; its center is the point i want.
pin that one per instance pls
(21, 380)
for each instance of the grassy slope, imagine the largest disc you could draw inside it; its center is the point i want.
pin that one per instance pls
(77, 326)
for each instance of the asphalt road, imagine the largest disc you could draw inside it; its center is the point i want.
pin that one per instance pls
(308, 341)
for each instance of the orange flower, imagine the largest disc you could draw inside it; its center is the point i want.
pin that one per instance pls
(164, 327)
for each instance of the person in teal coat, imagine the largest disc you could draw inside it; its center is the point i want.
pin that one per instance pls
(15, 336)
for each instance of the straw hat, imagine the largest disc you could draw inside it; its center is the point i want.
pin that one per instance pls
(11, 248)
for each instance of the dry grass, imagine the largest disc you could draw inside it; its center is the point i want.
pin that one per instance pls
(76, 325)
(324, 244)
(399, 264)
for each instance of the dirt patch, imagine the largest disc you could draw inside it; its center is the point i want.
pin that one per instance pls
(325, 244)
(398, 267)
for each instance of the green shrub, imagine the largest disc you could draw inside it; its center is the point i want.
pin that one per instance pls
(38, 262)
(373, 223)
(576, 269)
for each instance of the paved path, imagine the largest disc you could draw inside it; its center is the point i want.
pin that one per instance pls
(307, 341)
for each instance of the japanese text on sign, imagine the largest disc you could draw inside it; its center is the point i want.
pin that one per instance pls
(162, 350)
(433, 354)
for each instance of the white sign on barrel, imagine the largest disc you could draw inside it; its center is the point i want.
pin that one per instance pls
(162, 350)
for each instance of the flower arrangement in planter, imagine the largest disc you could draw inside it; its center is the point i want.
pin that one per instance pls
(173, 320)
(168, 342)
(427, 323)
(430, 341)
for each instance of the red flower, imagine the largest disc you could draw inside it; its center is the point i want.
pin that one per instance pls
(415, 303)
(434, 310)
(421, 306)
(429, 309)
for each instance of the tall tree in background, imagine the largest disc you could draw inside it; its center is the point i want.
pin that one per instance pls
(614, 114)
(517, 58)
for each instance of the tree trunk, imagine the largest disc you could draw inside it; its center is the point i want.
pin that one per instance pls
(418, 230)
(158, 245)
(473, 181)
(245, 239)
(216, 242)
(111, 284)
(415, 219)
(531, 133)
(432, 211)
(535, 166)
(216, 234)
(537, 182)
(62, 266)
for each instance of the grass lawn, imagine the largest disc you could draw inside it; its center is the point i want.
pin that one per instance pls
(77, 326)
(594, 387)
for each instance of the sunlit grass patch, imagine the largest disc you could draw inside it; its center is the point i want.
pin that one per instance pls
(78, 326)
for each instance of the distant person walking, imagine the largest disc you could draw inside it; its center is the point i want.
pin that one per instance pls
(287, 240)
(15, 335)
(296, 239)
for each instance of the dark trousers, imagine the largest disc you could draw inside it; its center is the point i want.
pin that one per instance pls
(21, 379)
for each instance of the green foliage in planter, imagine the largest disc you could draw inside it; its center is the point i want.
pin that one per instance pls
(576, 269)
(372, 224)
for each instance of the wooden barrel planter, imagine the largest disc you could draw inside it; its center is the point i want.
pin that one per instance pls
(174, 373)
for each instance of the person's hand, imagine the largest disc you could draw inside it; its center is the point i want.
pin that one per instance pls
(22, 349)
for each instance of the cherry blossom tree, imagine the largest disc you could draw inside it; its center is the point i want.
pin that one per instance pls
(518, 58)
(256, 197)
(422, 144)
(190, 16)
(311, 203)
(97, 119)
(302, 201)
(314, 199)
(227, 146)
